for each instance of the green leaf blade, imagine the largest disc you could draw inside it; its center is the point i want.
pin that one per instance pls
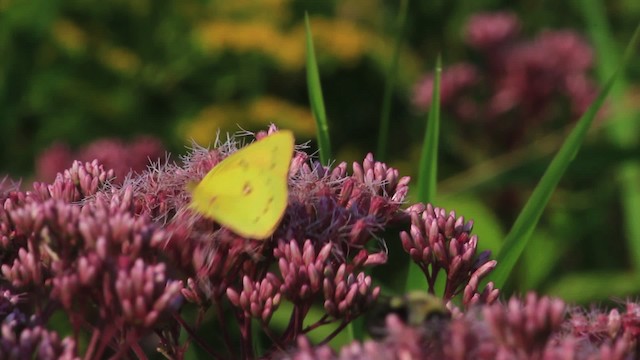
(517, 238)
(385, 114)
(428, 170)
(316, 99)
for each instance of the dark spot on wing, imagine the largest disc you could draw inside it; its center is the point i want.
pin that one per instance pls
(247, 189)
(243, 164)
(212, 200)
(274, 154)
(267, 206)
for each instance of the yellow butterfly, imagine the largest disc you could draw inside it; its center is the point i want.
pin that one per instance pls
(247, 192)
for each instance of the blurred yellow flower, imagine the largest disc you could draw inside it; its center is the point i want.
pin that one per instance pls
(275, 11)
(336, 39)
(258, 36)
(119, 59)
(256, 115)
(267, 110)
(205, 126)
(369, 12)
(69, 36)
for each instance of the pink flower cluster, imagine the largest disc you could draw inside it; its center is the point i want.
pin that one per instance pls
(122, 260)
(533, 327)
(112, 153)
(517, 79)
(67, 246)
(318, 250)
(439, 241)
(126, 262)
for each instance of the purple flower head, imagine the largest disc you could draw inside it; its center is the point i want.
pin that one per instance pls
(530, 328)
(302, 269)
(76, 245)
(531, 76)
(81, 180)
(120, 259)
(115, 154)
(522, 79)
(329, 205)
(257, 299)
(441, 241)
(347, 295)
(489, 31)
(319, 246)
(612, 334)
(96, 246)
(52, 161)
(145, 293)
(524, 327)
(402, 342)
(573, 58)
(33, 342)
(21, 337)
(8, 302)
(305, 350)
(454, 80)
(571, 51)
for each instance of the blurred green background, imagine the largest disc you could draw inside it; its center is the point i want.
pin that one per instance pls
(75, 71)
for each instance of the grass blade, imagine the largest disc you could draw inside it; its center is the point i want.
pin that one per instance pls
(315, 97)
(517, 238)
(317, 108)
(428, 170)
(385, 115)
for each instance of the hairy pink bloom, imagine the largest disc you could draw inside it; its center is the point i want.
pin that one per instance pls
(119, 259)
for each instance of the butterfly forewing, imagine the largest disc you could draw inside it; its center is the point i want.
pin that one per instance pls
(247, 192)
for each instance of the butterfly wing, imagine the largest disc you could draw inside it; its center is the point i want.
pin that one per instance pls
(247, 192)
